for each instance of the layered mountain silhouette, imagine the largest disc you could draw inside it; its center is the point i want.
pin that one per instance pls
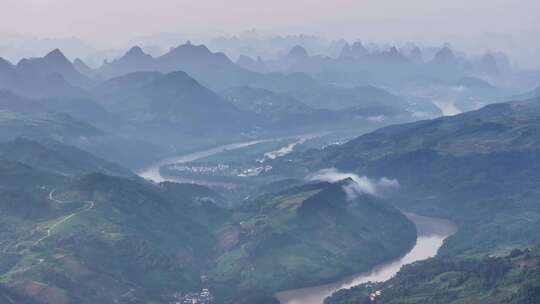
(50, 76)
(280, 110)
(53, 63)
(249, 63)
(174, 98)
(52, 156)
(356, 50)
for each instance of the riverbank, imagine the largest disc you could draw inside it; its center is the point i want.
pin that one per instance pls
(153, 172)
(432, 232)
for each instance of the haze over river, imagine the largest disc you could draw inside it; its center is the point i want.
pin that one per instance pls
(153, 172)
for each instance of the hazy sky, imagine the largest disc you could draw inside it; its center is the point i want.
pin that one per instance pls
(510, 22)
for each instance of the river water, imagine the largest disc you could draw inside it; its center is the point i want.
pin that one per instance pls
(152, 172)
(431, 235)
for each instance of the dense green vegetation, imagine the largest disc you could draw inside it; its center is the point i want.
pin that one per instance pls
(70, 235)
(486, 161)
(53, 156)
(76, 228)
(307, 235)
(480, 169)
(96, 237)
(513, 278)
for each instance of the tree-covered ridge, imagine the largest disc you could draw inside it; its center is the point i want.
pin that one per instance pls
(481, 169)
(307, 235)
(73, 236)
(513, 278)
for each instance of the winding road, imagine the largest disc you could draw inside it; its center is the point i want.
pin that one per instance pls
(88, 206)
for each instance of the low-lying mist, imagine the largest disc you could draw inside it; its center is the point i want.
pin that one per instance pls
(361, 184)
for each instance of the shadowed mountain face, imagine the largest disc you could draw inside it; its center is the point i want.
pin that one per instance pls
(53, 63)
(22, 196)
(135, 60)
(298, 52)
(250, 64)
(366, 100)
(174, 99)
(264, 102)
(5, 65)
(280, 239)
(55, 157)
(415, 55)
(52, 76)
(278, 111)
(444, 56)
(43, 125)
(47, 119)
(198, 61)
(83, 68)
(82, 109)
(13, 102)
(39, 86)
(356, 51)
(188, 56)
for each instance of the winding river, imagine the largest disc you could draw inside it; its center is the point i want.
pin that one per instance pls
(431, 235)
(153, 173)
(432, 232)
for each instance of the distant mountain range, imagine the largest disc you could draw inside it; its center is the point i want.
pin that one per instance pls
(51, 76)
(78, 226)
(145, 98)
(140, 96)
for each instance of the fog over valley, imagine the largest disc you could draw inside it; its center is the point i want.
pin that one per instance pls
(240, 152)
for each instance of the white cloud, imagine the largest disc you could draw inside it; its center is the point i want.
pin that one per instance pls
(361, 184)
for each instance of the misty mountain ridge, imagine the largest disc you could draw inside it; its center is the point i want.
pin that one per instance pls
(173, 98)
(50, 76)
(249, 63)
(286, 188)
(185, 57)
(61, 159)
(356, 50)
(51, 63)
